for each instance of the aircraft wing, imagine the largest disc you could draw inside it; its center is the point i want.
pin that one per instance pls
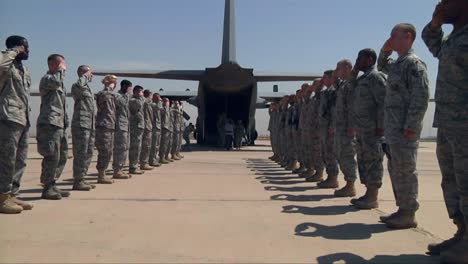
(284, 77)
(177, 95)
(186, 75)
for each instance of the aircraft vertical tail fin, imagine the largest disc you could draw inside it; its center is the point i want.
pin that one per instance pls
(229, 33)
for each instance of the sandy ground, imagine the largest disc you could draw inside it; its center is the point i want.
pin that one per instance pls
(218, 206)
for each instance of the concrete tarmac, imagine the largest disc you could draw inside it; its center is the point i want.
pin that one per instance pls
(218, 206)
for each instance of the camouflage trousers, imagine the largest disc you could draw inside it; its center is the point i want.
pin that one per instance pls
(52, 144)
(369, 157)
(327, 146)
(146, 146)
(155, 146)
(165, 143)
(452, 153)
(345, 149)
(83, 146)
(179, 147)
(187, 140)
(298, 146)
(120, 152)
(308, 153)
(175, 142)
(104, 146)
(136, 138)
(169, 144)
(402, 169)
(13, 155)
(290, 149)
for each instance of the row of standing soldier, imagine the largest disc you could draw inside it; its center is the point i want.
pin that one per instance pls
(132, 123)
(348, 122)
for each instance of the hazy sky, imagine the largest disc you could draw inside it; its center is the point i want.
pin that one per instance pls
(272, 35)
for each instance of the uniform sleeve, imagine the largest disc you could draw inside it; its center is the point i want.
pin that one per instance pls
(79, 87)
(419, 83)
(384, 61)
(349, 107)
(51, 82)
(433, 37)
(7, 59)
(379, 85)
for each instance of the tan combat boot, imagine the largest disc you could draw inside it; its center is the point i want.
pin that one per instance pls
(330, 183)
(25, 205)
(146, 167)
(120, 175)
(103, 179)
(458, 253)
(163, 161)
(370, 199)
(403, 219)
(308, 173)
(317, 177)
(135, 171)
(292, 166)
(436, 249)
(174, 157)
(8, 206)
(81, 185)
(348, 191)
(180, 156)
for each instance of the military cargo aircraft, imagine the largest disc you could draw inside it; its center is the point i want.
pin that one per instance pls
(226, 91)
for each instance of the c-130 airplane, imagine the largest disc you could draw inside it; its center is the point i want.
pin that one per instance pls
(228, 90)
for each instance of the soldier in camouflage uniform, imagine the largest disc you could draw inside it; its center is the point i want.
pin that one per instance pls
(306, 135)
(181, 132)
(176, 130)
(406, 103)
(315, 157)
(292, 125)
(137, 127)
(51, 127)
(343, 125)
(105, 127)
(369, 96)
(451, 119)
(15, 82)
(166, 132)
(156, 137)
(327, 131)
(121, 134)
(83, 128)
(272, 129)
(148, 132)
(299, 143)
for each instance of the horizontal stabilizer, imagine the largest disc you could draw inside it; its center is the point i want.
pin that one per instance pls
(186, 75)
(284, 77)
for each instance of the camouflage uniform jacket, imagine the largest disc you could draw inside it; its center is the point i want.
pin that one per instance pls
(407, 94)
(53, 109)
(105, 102)
(15, 83)
(84, 112)
(122, 113)
(451, 95)
(369, 97)
(137, 119)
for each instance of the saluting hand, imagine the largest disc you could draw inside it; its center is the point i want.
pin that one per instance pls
(387, 47)
(437, 17)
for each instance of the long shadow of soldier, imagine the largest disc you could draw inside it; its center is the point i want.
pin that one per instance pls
(319, 210)
(276, 178)
(301, 198)
(353, 258)
(282, 182)
(349, 231)
(290, 189)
